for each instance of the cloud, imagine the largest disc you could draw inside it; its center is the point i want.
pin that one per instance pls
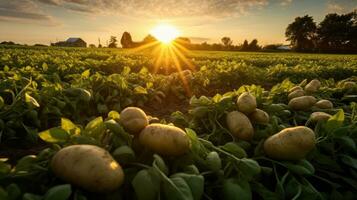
(23, 10)
(286, 2)
(334, 8)
(162, 8)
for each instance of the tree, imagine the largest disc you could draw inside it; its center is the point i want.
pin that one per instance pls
(253, 45)
(126, 40)
(227, 41)
(149, 39)
(245, 45)
(113, 42)
(92, 46)
(301, 33)
(338, 33)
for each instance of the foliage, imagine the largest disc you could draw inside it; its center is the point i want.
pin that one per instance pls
(55, 97)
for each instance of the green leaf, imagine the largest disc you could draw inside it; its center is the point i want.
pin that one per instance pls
(126, 71)
(299, 168)
(144, 71)
(146, 185)
(195, 182)
(31, 101)
(352, 162)
(335, 121)
(3, 194)
(234, 149)
(114, 115)
(29, 196)
(248, 168)
(234, 189)
(13, 191)
(54, 135)
(2, 103)
(347, 142)
(26, 163)
(292, 188)
(69, 126)
(194, 140)
(263, 192)
(213, 161)
(124, 154)
(160, 163)
(86, 73)
(178, 189)
(96, 127)
(44, 66)
(4, 168)
(140, 90)
(59, 192)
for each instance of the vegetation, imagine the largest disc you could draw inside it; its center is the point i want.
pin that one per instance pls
(335, 34)
(228, 126)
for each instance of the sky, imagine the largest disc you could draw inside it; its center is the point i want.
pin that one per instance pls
(45, 21)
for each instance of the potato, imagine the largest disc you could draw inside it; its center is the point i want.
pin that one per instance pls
(239, 125)
(259, 116)
(165, 139)
(246, 103)
(89, 167)
(296, 88)
(290, 143)
(302, 103)
(313, 86)
(133, 119)
(319, 116)
(349, 84)
(324, 104)
(296, 93)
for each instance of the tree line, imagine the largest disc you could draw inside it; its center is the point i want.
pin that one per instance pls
(336, 33)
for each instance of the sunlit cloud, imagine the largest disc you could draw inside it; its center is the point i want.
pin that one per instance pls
(286, 2)
(161, 8)
(24, 11)
(335, 8)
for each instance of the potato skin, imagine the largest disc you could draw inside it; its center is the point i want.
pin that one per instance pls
(313, 86)
(239, 125)
(296, 93)
(295, 88)
(319, 116)
(246, 103)
(165, 139)
(324, 104)
(290, 143)
(89, 167)
(302, 103)
(133, 119)
(259, 116)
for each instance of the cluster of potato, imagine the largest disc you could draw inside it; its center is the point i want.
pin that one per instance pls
(159, 138)
(302, 99)
(94, 169)
(240, 122)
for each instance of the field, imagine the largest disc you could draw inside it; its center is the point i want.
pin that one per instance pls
(51, 98)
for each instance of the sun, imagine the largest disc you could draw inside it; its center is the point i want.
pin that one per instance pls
(165, 33)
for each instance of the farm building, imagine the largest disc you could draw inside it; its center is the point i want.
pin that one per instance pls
(71, 42)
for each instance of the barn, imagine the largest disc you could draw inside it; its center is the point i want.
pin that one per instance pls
(71, 42)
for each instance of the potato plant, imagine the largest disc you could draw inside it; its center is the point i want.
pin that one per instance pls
(90, 124)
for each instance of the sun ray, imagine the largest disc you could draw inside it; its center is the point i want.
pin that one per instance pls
(179, 69)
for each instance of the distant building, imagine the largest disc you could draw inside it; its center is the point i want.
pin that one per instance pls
(71, 42)
(284, 48)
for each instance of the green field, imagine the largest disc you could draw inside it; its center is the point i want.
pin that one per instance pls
(51, 98)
